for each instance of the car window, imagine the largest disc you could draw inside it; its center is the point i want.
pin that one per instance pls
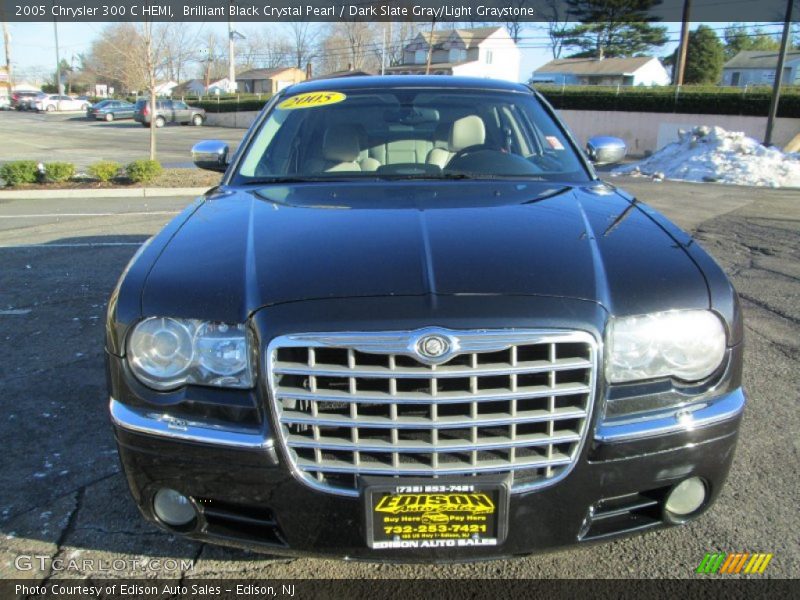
(411, 132)
(179, 105)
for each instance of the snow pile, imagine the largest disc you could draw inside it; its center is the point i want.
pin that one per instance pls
(713, 154)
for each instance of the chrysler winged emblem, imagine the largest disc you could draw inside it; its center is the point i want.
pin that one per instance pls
(433, 347)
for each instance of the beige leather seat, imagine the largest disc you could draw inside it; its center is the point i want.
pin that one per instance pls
(341, 151)
(465, 132)
(401, 151)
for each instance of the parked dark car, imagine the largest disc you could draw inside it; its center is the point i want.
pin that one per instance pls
(111, 110)
(25, 100)
(411, 324)
(168, 111)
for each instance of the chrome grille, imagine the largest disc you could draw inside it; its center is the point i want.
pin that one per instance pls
(507, 401)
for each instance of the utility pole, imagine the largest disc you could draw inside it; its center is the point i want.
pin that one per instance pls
(232, 36)
(231, 57)
(776, 88)
(383, 52)
(430, 49)
(680, 63)
(58, 66)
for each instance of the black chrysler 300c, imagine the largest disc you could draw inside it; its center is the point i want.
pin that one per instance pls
(412, 324)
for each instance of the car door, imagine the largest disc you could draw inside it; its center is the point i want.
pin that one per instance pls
(67, 103)
(182, 112)
(165, 110)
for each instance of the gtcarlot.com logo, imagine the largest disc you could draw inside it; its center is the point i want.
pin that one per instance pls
(733, 563)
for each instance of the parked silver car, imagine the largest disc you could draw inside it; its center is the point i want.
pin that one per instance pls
(168, 111)
(53, 102)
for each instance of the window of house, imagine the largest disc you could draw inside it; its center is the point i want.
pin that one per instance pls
(420, 56)
(488, 57)
(735, 78)
(457, 55)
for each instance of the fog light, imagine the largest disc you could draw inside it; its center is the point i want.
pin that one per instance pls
(686, 497)
(173, 508)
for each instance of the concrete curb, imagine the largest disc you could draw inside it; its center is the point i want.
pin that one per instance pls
(105, 193)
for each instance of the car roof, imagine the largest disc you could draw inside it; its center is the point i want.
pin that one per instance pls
(406, 81)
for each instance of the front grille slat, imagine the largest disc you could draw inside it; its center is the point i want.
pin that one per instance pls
(561, 389)
(535, 440)
(335, 466)
(492, 369)
(515, 402)
(487, 420)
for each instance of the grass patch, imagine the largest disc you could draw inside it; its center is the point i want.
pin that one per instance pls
(168, 178)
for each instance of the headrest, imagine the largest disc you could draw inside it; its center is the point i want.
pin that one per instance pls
(340, 143)
(441, 135)
(466, 132)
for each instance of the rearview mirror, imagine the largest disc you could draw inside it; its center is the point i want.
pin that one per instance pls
(605, 150)
(211, 155)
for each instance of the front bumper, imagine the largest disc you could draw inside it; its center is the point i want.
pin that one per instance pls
(246, 495)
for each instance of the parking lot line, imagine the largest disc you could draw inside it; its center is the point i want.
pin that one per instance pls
(75, 245)
(110, 214)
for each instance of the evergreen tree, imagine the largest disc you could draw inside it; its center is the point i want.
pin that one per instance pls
(613, 28)
(739, 38)
(705, 56)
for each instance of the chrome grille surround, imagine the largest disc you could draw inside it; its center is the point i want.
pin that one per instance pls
(505, 401)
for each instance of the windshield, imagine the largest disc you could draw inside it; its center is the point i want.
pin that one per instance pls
(409, 133)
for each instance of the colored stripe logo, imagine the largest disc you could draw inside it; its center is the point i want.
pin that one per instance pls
(724, 563)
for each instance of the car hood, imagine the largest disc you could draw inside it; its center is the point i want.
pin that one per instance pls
(245, 249)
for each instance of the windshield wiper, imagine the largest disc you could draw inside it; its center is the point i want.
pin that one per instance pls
(422, 176)
(297, 179)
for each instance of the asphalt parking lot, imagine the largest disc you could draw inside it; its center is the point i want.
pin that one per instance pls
(62, 494)
(71, 137)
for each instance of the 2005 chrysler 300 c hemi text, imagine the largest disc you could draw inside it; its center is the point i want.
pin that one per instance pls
(412, 324)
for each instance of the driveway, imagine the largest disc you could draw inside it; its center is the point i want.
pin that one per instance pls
(70, 137)
(62, 494)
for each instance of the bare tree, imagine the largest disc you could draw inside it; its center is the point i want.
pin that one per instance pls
(133, 55)
(7, 47)
(556, 24)
(351, 45)
(151, 65)
(399, 37)
(515, 26)
(330, 57)
(116, 57)
(302, 40)
(264, 48)
(180, 49)
(213, 59)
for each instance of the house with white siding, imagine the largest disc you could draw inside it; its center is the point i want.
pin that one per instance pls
(635, 70)
(487, 52)
(757, 67)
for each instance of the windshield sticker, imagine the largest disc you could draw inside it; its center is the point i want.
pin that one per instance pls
(554, 142)
(311, 100)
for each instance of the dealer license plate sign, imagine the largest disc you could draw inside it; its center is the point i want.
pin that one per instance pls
(435, 514)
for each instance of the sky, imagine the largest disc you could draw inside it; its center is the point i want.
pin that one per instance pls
(33, 45)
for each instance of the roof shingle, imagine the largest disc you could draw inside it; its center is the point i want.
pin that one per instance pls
(593, 66)
(758, 59)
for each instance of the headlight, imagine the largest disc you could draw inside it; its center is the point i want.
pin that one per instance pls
(686, 344)
(167, 353)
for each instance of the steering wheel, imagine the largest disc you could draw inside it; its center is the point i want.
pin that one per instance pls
(471, 149)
